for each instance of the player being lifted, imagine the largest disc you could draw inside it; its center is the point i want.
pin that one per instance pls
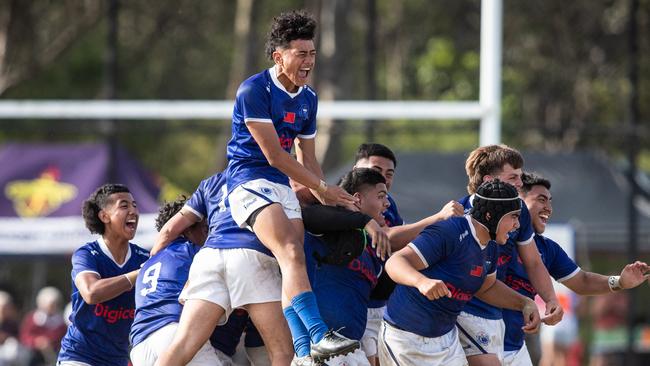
(480, 324)
(537, 196)
(272, 109)
(442, 269)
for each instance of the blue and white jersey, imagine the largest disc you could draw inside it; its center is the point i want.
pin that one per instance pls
(559, 266)
(345, 287)
(452, 253)
(160, 281)
(99, 334)
(391, 215)
(262, 98)
(209, 200)
(507, 253)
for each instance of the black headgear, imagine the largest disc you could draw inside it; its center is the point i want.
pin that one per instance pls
(496, 198)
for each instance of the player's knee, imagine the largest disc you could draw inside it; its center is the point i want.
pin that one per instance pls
(294, 252)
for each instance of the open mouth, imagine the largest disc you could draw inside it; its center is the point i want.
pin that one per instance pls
(303, 73)
(132, 224)
(544, 218)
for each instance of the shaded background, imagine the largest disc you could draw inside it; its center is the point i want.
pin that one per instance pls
(576, 80)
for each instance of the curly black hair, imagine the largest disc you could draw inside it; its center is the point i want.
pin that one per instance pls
(96, 202)
(168, 210)
(357, 179)
(287, 27)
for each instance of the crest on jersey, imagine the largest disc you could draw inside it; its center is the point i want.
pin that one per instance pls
(483, 338)
(304, 111)
(41, 196)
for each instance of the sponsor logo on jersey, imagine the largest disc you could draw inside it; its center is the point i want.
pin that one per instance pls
(41, 196)
(520, 284)
(463, 235)
(112, 316)
(286, 142)
(458, 293)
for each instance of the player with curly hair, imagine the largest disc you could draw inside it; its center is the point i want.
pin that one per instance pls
(103, 274)
(273, 109)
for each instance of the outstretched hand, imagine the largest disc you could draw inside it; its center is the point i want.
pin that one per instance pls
(634, 274)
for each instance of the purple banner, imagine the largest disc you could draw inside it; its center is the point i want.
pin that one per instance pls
(39, 180)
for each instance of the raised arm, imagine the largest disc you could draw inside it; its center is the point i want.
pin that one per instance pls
(173, 228)
(267, 138)
(401, 235)
(590, 283)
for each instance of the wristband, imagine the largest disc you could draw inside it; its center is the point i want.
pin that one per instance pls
(322, 187)
(127, 278)
(614, 283)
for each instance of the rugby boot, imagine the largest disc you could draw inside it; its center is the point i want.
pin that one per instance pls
(333, 344)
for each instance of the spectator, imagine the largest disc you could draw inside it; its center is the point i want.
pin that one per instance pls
(42, 329)
(11, 352)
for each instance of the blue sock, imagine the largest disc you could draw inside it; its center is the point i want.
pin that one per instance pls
(299, 333)
(306, 307)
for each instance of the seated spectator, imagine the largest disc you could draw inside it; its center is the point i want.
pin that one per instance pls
(42, 329)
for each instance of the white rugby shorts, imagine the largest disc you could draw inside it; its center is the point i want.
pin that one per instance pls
(371, 334)
(517, 358)
(232, 278)
(401, 348)
(248, 197)
(481, 336)
(147, 352)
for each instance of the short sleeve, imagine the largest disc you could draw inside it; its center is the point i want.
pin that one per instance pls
(431, 245)
(254, 100)
(309, 129)
(197, 203)
(493, 258)
(83, 260)
(525, 232)
(560, 266)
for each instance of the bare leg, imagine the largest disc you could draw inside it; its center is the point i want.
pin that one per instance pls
(284, 238)
(198, 320)
(270, 322)
(489, 359)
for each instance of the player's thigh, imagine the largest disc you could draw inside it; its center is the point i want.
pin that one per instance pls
(270, 322)
(147, 352)
(252, 277)
(401, 348)
(371, 334)
(275, 230)
(489, 359)
(197, 322)
(480, 336)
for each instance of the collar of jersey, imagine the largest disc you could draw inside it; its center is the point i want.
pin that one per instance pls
(104, 248)
(279, 85)
(473, 231)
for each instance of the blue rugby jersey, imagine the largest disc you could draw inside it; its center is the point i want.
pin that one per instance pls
(99, 334)
(451, 253)
(209, 200)
(343, 292)
(559, 266)
(507, 253)
(262, 98)
(391, 215)
(159, 283)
